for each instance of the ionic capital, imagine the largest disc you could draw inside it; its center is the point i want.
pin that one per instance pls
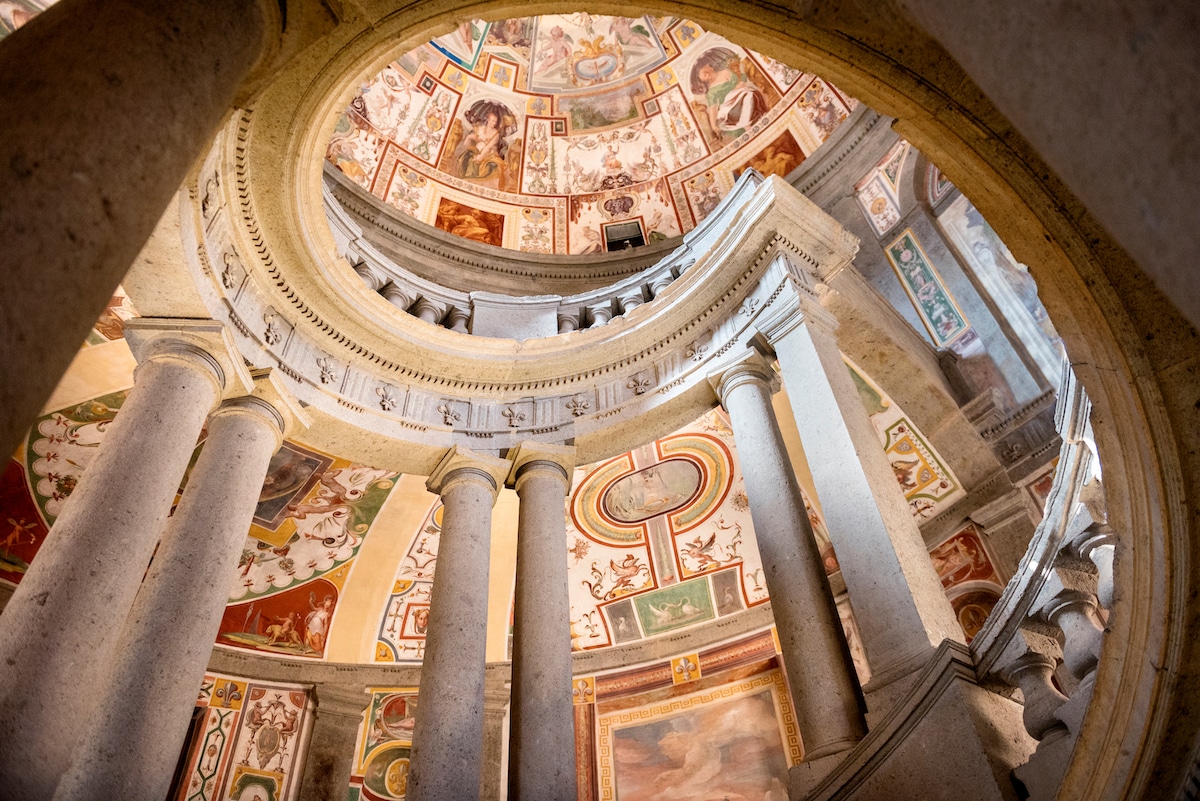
(461, 465)
(206, 346)
(531, 457)
(750, 368)
(271, 401)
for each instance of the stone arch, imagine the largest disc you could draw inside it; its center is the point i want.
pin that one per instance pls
(1117, 331)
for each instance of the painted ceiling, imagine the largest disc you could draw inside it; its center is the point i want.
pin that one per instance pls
(577, 134)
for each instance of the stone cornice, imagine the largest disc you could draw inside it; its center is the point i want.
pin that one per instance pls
(352, 356)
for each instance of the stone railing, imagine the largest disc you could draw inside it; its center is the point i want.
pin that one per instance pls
(1045, 634)
(496, 314)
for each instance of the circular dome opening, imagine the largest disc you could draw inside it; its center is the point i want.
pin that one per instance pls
(577, 134)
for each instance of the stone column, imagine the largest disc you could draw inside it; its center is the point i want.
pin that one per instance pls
(446, 760)
(541, 755)
(899, 603)
(330, 758)
(105, 108)
(824, 688)
(59, 633)
(129, 750)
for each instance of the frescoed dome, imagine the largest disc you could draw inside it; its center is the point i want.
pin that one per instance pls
(577, 134)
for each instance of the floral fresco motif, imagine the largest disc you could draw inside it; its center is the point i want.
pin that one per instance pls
(672, 514)
(62, 445)
(929, 485)
(405, 617)
(381, 755)
(247, 742)
(933, 302)
(312, 516)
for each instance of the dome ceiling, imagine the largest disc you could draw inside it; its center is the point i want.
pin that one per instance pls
(577, 134)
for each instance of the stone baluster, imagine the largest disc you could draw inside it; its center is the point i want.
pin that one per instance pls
(1028, 662)
(1068, 601)
(1099, 547)
(457, 319)
(430, 311)
(166, 641)
(77, 206)
(397, 295)
(59, 633)
(824, 687)
(372, 278)
(628, 301)
(446, 761)
(898, 599)
(599, 314)
(660, 283)
(567, 322)
(541, 761)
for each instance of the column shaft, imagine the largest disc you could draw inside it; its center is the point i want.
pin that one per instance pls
(900, 606)
(541, 757)
(127, 751)
(105, 108)
(60, 630)
(330, 758)
(824, 688)
(446, 761)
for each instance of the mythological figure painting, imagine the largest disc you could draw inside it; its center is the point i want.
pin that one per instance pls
(469, 223)
(717, 750)
(729, 94)
(480, 147)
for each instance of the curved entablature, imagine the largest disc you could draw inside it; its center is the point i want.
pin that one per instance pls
(511, 314)
(355, 358)
(362, 223)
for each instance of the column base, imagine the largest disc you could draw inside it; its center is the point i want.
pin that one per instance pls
(887, 687)
(808, 774)
(943, 712)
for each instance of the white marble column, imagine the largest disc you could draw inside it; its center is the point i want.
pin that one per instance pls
(901, 609)
(129, 750)
(824, 687)
(541, 750)
(447, 753)
(59, 633)
(106, 105)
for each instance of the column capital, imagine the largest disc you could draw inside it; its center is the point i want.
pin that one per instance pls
(459, 463)
(751, 367)
(799, 302)
(529, 455)
(207, 342)
(272, 400)
(341, 701)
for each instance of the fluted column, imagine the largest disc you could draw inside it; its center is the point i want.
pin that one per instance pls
(898, 600)
(106, 105)
(541, 755)
(59, 632)
(166, 642)
(824, 687)
(447, 753)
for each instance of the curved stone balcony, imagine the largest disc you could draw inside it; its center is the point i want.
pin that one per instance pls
(403, 264)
